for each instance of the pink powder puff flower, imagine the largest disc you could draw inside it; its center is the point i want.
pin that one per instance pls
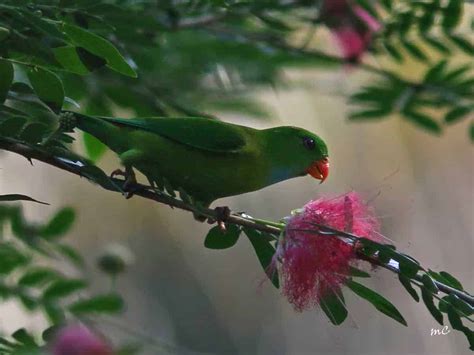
(314, 263)
(79, 340)
(352, 26)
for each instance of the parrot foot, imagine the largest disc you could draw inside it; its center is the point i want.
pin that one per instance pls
(129, 185)
(222, 215)
(118, 172)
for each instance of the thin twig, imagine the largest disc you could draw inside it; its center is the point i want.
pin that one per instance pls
(141, 190)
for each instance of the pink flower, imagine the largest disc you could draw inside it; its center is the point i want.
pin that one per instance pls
(313, 263)
(352, 26)
(79, 340)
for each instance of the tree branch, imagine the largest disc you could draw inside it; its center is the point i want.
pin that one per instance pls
(30, 152)
(141, 190)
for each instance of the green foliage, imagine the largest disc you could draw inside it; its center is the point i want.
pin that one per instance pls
(450, 89)
(28, 275)
(334, 308)
(265, 251)
(219, 239)
(379, 302)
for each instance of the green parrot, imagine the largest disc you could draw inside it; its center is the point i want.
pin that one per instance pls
(207, 158)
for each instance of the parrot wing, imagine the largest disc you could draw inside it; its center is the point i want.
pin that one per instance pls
(200, 133)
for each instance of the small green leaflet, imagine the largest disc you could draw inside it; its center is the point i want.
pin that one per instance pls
(451, 280)
(334, 308)
(48, 87)
(111, 303)
(265, 252)
(218, 239)
(427, 297)
(63, 288)
(69, 59)
(100, 47)
(59, 224)
(378, 301)
(405, 281)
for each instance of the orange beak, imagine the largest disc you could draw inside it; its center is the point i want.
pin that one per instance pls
(319, 169)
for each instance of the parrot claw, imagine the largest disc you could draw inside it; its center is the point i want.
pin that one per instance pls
(129, 185)
(222, 214)
(117, 172)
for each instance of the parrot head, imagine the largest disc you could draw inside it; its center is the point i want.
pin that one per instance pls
(297, 152)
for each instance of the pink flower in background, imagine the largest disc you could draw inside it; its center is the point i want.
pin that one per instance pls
(352, 26)
(79, 340)
(313, 263)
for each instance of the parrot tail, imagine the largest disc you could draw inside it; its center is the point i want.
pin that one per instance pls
(99, 127)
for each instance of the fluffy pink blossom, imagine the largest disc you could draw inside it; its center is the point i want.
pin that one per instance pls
(79, 340)
(352, 26)
(313, 263)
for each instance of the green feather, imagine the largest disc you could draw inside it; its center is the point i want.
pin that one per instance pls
(200, 133)
(206, 158)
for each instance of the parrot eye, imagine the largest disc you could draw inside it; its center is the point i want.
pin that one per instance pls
(309, 143)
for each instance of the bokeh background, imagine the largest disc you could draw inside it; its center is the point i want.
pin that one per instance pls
(189, 299)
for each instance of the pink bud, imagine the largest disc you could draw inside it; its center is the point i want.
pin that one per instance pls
(352, 26)
(313, 263)
(79, 340)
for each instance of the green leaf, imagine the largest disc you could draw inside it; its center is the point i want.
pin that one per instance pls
(265, 252)
(37, 277)
(409, 267)
(434, 74)
(100, 47)
(462, 44)
(451, 280)
(378, 301)
(436, 44)
(423, 121)
(12, 126)
(416, 52)
(34, 133)
(69, 59)
(54, 313)
(456, 323)
(456, 114)
(90, 60)
(427, 297)
(6, 78)
(48, 87)
(19, 197)
(63, 288)
(70, 254)
(355, 272)
(10, 258)
(429, 283)
(405, 281)
(22, 336)
(29, 302)
(463, 308)
(452, 15)
(393, 52)
(218, 239)
(111, 303)
(59, 224)
(95, 149)
(334, 308)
